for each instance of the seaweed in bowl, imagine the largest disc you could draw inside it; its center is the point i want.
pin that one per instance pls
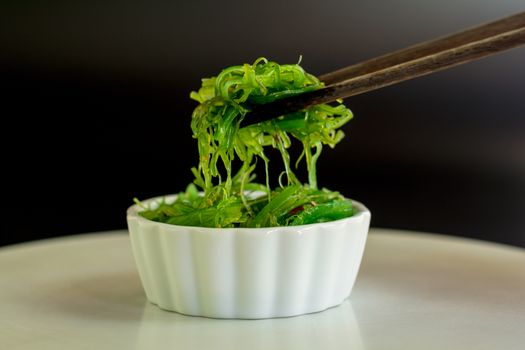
(230, 247)
(223, 197)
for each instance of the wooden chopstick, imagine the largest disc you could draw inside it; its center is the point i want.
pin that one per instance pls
(415, 61)
(426, 48)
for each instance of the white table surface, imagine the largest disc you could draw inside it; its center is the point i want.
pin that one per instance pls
(414, 291)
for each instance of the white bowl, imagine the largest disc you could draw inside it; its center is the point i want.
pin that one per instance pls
(248, 272)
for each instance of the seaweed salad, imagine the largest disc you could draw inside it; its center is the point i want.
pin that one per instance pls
(224, 192)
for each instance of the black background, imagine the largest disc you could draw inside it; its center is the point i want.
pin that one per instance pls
(95, 109)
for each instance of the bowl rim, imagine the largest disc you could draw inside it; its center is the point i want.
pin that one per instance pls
(133, 212)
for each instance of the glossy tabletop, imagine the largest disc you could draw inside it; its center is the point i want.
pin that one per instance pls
(414, 291)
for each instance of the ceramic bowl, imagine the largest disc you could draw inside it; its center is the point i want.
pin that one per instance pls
(248, 272)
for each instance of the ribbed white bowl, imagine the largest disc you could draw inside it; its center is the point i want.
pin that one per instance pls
(248, 272)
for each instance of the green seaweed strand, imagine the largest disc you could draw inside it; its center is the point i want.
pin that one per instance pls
(233, 200)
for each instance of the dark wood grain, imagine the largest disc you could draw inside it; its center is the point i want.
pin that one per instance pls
(426, 48)
(453, 55)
